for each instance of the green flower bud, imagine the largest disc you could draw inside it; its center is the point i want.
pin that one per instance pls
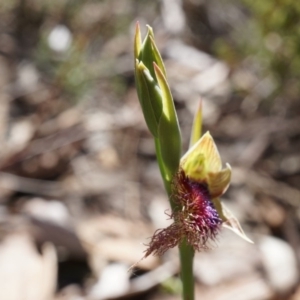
(157, 102)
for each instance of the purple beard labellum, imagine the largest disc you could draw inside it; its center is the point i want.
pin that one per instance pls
(195, 218)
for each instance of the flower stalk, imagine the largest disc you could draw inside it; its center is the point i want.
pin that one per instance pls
(194, 182)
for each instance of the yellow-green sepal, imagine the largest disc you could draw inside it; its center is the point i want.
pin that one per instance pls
(168, 128)
(158, 60)
(201, 159)
(229, 220)
(197, 126)
(218, 182)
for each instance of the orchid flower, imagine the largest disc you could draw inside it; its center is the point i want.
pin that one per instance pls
(196, 181)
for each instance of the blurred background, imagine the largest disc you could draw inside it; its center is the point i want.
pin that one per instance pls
(80, 190)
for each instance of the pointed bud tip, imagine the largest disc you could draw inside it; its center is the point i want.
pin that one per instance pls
(200, 104)
(150, 30)
(137, 28)
(137, 40)
(141, 66)
(228, 166)
(207, 134)
(158, 71)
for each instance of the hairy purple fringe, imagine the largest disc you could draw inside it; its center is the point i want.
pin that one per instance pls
(195, 218)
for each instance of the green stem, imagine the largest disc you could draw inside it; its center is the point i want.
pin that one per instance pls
(186, 252)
